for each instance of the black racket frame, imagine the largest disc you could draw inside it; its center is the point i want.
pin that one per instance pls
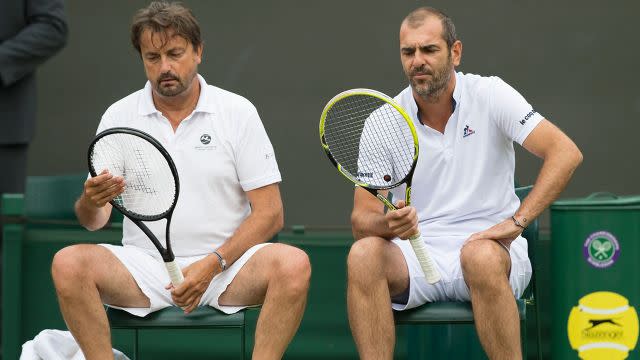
(166, 253)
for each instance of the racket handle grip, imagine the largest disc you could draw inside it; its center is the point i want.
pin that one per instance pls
(428, 267)
(174, 273)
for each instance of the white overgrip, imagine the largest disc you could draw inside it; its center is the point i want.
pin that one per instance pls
(174, 273)
(428, 267)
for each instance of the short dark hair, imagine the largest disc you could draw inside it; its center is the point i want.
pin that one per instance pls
(160, 16)
(417, 17)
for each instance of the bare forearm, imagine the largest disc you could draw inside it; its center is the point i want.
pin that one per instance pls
(258, 228)
(368, 223)
(91, 217)
(556, 171)
(368, 216)
(93, 208)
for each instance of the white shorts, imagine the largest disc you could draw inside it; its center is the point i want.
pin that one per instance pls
(452, 287)
(149, 272)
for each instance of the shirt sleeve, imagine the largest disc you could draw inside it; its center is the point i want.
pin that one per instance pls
(256, 163)
(115, 157)
(105, 123)
(515, 117)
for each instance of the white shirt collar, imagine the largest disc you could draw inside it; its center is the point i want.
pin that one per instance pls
(457, 89)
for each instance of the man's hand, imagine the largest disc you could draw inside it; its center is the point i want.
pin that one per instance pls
(504, 232)
(404, 221)
(101, 189)
(197, 278)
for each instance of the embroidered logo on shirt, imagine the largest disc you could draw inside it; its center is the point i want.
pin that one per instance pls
(527, 117)
(205, 139)
(467, 131)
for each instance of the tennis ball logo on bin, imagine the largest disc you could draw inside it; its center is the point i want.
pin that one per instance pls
(603, 326)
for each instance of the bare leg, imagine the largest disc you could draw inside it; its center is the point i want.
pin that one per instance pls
(85, 276)
(278, 277)
(486, 266)
(376, 271)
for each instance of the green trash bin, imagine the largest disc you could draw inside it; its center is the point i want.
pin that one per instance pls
(595, 288)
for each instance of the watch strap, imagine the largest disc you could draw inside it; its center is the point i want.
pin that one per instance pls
(221, 260)
(518, 223)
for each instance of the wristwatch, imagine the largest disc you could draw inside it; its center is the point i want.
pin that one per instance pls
(518, 223)
(223, 262)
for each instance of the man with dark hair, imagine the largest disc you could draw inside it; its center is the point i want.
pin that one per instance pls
(463, 199)
(229, 205)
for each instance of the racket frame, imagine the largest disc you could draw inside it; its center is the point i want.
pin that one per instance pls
(431, 273)
(373, 189)
(166, 253)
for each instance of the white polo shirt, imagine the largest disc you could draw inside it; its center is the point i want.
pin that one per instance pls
(221, 151)
(463, 182)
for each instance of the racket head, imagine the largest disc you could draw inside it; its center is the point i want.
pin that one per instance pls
(151, 180)
(369, 138)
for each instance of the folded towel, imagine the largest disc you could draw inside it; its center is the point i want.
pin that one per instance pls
(56, 345)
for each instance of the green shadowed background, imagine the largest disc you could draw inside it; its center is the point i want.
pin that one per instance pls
(570, 59)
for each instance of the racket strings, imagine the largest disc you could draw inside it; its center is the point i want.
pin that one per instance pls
(141, 171)
(344, 126)
(150, 187)
(370, 139)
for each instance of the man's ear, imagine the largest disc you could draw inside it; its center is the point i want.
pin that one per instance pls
(456, 52)
(199, 51)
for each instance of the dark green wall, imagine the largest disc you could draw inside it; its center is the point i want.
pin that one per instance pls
(573, 60)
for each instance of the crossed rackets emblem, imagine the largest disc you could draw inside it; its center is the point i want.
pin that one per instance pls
(602, 248)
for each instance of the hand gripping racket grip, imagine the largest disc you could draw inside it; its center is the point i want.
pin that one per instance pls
(428, 267)
(174, 273)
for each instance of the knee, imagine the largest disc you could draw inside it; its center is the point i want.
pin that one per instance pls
(293, 270)
(366, 251)
(365, 256)
(483, 261)
(68, 266)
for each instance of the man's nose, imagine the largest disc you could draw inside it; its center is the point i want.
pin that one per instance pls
(165, 65)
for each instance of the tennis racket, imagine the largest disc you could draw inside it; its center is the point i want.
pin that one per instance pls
(151, 182)
(371, 140)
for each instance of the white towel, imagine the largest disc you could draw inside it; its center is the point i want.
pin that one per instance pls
(56, 345)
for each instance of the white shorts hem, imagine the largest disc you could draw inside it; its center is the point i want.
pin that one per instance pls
(151, 276)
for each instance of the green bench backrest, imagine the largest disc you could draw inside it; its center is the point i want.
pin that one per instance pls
(53, 197)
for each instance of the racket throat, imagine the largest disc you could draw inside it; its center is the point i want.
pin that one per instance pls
(386, 202)
(167, 254)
